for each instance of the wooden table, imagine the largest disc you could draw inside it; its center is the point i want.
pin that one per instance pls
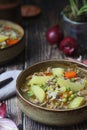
(37, 49)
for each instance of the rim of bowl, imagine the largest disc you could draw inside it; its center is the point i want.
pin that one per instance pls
(13, 23)
(43, 108)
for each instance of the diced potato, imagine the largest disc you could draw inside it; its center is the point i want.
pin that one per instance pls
(40, 80)
(58, 71)
(76, 102)
(3, 38)
(72, 85)
(62, 89)
(38, 92)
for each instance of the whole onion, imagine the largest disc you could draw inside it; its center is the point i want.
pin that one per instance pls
(69, 46)
(7, 124)
(54, 35)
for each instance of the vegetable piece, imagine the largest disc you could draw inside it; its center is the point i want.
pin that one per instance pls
(54, 34)
(76, 102)
(7, 27)
(70, 74)
(58, 71)
(7, 124)
(3, 110)
(65, 94)
(72, 85)
(38, 92)
(62, 89)
(30, 94)
(12, 41)
(69, 46)
(48, 73)
(3, 38)
(40, 80)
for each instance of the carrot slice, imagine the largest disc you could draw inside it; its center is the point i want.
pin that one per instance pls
(12, 41)
(65, 94)
(7, 27)
(48, 73)
(70, 74)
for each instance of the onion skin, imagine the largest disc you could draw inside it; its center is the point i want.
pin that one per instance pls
(7, 124)
(69, 46)
(54, 35)
(3, 111)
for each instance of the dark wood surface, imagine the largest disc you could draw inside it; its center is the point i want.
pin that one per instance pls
(37, 49)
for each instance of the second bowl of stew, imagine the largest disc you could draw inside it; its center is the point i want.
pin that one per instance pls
(11, 40)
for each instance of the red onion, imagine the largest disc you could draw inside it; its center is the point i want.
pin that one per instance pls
(69, 46)
(84, 62)
(7, 124)
(54, 35)
(3, 110)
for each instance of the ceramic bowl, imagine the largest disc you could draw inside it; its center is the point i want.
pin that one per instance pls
(43, 115)
(11, 52)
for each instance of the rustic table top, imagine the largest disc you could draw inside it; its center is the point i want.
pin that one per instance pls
(36, 49)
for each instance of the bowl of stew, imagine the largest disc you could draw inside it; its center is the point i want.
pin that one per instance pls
(11, 40)
(54, 92)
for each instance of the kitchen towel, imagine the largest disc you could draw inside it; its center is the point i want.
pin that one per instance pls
(10, 89)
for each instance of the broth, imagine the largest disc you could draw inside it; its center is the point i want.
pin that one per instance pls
(8, 36)
(56, 88)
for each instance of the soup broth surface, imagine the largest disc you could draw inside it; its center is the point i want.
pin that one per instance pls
(57, 88)
(8, 35)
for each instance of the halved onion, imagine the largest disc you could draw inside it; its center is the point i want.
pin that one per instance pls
(7, 124)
